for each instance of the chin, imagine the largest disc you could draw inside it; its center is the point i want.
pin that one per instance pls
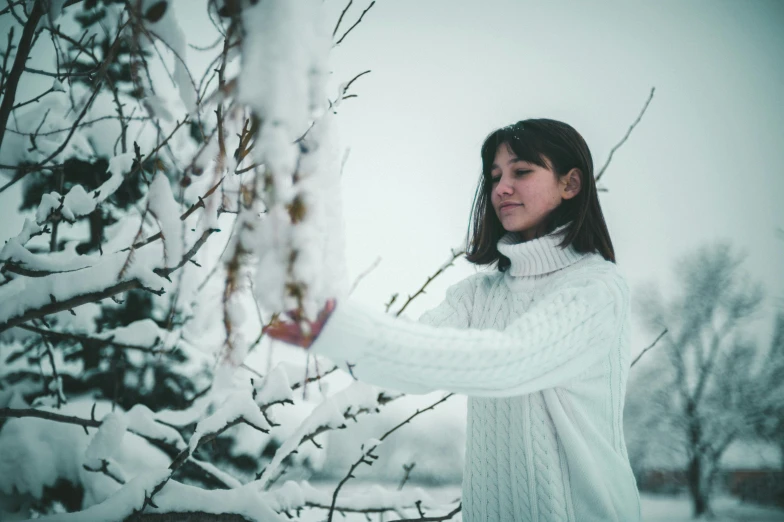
(515, 227)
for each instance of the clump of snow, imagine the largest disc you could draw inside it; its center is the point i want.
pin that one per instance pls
(49, 203)
(275, 387)
(25, 293)
(57, 86)
(77, 202)
(319, 239)
(168, 29)
(284, 66)
(121, 504)
(107, 439)
(36, 453)
(239, 405)
(142, 421)
(162, 205)
(174, 498)
(329, 414)
(29, 229)
(144, 332)
(293, 495)
(65, 260)
(370, 444)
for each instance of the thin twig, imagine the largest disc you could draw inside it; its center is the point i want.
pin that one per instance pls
(22, 52)
(368, 453)
(91, 297)
(109, 341)
(55, 376)
(450, 262)
(433, 519)
(363, 274)
(407, 472)
(628, 132)
(648, 348)
(337, 26)
(23, 171)
(355, 23)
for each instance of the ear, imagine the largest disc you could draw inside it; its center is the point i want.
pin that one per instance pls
(571, 183)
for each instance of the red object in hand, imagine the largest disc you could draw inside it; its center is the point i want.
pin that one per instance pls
(291, 332)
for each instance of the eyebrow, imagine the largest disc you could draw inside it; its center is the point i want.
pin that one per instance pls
(514, 159)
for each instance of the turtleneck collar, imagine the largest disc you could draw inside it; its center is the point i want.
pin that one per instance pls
(537, 256)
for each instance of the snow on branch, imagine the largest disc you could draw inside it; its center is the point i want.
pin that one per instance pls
(238, 408)
(293, 496)
(368, 457)
(63, 280)
(77, 202)
(132, 500)
(358, 398)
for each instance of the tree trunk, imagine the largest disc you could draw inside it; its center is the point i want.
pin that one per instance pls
(698, 487)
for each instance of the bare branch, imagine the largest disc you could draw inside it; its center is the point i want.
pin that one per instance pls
(337, 26)
(23, 171)
(22, 52)
(91, 297)
(58, 391)
(363, 274)
(109, 341)
(355, 23)
(648, 348)
(448, 516)
(11, 6)
(450, 262)
(628, 133)
(369, 452)
(171, 450)
(407, 472)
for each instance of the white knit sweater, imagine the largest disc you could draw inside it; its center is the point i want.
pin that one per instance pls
(542, 351)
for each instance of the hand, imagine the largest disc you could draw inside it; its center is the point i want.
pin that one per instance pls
(292, 332)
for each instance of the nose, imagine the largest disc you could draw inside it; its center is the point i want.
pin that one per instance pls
(503, 187)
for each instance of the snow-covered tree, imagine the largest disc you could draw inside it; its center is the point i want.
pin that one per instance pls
(708, 384)
(172, 216)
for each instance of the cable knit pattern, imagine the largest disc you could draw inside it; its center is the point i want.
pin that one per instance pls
(542, 351)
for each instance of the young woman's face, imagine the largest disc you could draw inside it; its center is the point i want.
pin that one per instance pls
(523, 194)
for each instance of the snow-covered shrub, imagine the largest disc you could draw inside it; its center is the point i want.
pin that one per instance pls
(171, 215)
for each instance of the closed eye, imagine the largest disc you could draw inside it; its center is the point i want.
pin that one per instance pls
(518, 173)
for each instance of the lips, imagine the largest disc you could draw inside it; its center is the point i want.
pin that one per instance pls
(509, 205)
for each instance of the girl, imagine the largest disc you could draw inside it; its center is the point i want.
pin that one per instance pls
(540, 346)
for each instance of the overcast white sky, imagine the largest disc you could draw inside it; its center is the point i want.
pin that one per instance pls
(705, 163)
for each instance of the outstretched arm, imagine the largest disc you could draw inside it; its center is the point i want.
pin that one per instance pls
(566, 332)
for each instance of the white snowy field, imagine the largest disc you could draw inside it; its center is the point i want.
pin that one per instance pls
(655, 508)
(661, 508)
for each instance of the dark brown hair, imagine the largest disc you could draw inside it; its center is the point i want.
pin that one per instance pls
(549, 144)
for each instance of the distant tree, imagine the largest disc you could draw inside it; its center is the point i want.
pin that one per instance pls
(703, 390)
(770, 423)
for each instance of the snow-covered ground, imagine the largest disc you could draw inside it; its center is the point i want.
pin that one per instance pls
(655, 508)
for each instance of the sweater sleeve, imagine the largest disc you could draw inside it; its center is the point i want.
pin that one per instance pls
(568, 330)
